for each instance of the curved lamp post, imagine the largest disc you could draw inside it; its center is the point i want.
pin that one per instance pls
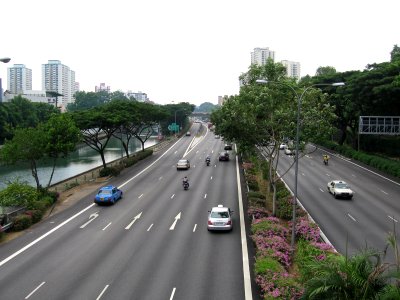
(5, 59)
(299, 98)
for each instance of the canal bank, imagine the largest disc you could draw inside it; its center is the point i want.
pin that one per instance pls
(93, 175)
(82, 160)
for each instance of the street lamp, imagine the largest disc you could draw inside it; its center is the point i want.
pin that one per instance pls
(5, 59)
(296, 172)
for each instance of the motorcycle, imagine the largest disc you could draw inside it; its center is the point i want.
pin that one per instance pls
(185, 185)
(207, 162)
(326, 161)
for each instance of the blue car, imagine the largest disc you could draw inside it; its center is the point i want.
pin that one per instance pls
(108, 195)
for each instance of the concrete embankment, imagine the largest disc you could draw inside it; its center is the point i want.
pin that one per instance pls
(94, 174)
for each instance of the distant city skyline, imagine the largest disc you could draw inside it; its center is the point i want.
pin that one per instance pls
(192, 51)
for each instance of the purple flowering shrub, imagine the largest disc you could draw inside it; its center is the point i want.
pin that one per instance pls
(281, 285)
(269, 226)
(270, 239)
(274, 246)
(257, 212)
(307, 230)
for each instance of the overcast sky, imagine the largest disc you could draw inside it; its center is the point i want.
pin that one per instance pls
(193, 51)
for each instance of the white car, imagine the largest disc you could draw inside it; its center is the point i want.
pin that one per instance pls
(282, 146)
(340, 189)
(220, 218)
(288, 151)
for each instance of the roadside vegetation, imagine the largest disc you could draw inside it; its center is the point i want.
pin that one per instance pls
(263, 116)
(37, 202)
(313, 270)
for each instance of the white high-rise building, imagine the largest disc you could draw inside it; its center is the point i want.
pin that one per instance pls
(260, 56)
(139, 96)
(102, 87)
(292, 68)
(19, 79)
(59, 78)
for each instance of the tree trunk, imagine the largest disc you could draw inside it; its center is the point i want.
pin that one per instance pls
(35, 174)
(126, 149)
(52, 171)
(103, 159)
(343, 134)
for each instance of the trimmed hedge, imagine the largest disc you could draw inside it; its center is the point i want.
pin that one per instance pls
(386, 165)
(128, 162)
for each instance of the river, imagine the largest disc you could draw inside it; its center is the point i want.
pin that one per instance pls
(81, 160)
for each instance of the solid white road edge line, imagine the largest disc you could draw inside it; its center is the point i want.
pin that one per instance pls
(245, 255)
(44, 235)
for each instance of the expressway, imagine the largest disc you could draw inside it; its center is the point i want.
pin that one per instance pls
(152, 244)
(350, 225)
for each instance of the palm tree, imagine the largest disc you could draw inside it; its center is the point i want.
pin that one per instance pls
(362, 276)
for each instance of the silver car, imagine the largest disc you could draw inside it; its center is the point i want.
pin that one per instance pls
(183, 164)
(339, 188)
(220, 218)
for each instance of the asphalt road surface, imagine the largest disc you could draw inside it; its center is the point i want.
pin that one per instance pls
(350, 225)
(152, 244)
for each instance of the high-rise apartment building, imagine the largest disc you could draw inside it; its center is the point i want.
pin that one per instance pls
(292, 68)
(102, 87)
(59, 78)
(139, 96)
(260, 56)
(19, 79)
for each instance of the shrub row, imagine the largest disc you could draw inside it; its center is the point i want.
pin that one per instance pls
(386, 165)
(271, 238)
(138, 156)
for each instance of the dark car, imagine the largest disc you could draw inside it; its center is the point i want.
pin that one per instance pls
(228, 147)
(108, 195)
(223, 156)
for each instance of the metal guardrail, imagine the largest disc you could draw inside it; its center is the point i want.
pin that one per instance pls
(7, 217)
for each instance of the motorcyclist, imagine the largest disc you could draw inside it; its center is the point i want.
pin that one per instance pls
(185, 181)
(208, 159)
(326, 158)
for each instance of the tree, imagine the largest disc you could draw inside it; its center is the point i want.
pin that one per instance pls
(362, 276)
(325, 71)
(97, 126)
(206, 107)
(87, 100)
(27, 145)
(62, 138)
(150, 116)
(20, 112)
(264, 115)
(395, 54)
